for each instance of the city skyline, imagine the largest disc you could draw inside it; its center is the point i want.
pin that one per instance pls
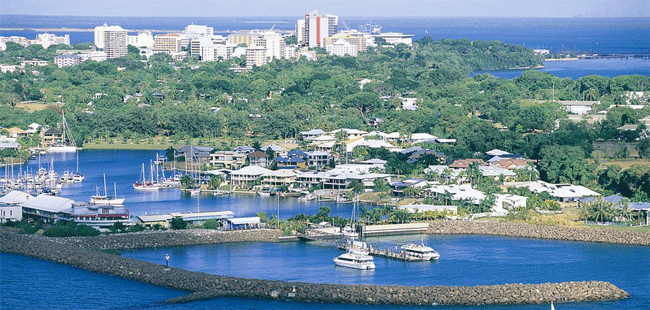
(363, 8)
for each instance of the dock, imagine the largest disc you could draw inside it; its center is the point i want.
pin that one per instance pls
(331, 236)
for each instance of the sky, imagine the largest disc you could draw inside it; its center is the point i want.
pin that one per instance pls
(363, 8)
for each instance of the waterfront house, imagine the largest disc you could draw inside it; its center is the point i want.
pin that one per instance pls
(195, 154)
(562, 192)
(33, 128)
(337, 180)
(318, 159)
(456, 192)
(294, 162)
(275, 178)
(258, 158)
(52, 136)
(227, 159)
(16, 132)
(398, 188)
(505, 202)
(248, 175)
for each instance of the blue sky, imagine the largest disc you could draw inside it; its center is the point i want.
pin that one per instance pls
(378, 8)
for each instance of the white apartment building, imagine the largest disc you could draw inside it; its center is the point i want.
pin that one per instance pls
(143, 40)
(318, 27)
(396, 38)
(67, 60)
(114, 41)
(216, 52)
(354, 37)
(47, 39)
(99, 36)
(300, 31)
(170, 42)
(15, 39)
(199, 31)
(342, 48)
(255, 56)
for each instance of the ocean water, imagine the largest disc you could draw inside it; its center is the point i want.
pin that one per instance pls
(575, 69)
(465, 260)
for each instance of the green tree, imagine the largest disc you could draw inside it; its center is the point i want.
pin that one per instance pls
(561, 164)
(187, 181)
(380, 185)
(215, 181)
(177, 223)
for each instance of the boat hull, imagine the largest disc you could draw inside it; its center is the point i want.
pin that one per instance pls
(107, 202)
(352, 265)
(62, 149)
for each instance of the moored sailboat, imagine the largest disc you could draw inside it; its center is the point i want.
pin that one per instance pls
(105, 200)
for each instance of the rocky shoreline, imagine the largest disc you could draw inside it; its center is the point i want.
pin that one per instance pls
(82, 253)
(523, 230)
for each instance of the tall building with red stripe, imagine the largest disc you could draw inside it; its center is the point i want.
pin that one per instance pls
(317, 27)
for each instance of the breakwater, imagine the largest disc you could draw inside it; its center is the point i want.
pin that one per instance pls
(169, 238)
(587, 234)
(203, 286)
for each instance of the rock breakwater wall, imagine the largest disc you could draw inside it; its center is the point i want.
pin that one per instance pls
(205, 286)
(168, 238)
(588, 234)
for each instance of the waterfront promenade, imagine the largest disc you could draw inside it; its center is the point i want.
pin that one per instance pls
(83, 253)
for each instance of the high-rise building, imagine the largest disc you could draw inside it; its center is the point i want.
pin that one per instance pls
(300, 31)
(115, 41)
(170, 42)
(143, 40)
(99, 36)
(318, 27)
(198, 31)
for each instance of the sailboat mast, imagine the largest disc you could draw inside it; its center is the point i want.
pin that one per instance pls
(63, 127)
(114, 190)
(105, 194)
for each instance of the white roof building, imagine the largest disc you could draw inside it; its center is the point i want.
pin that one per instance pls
(496, 152)
(564, 192)
(458, 192)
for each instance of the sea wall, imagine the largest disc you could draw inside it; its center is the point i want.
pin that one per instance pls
(205, 286)
(168, 238)
(588, 234)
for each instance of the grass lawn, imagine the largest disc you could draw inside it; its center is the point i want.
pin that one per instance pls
(623, 163)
